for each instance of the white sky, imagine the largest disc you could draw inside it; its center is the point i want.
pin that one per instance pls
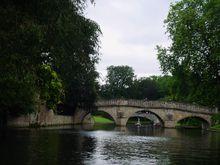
(131, 30)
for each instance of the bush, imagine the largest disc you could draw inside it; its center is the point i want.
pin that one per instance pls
(215, 119)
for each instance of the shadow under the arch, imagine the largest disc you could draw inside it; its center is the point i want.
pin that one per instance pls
(193, 122)
(145, 118)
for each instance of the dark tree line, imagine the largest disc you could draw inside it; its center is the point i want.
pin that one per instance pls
(48, 50)
(121, 83)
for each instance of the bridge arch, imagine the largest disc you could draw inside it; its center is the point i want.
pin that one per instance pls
(110, 113)
(205, 122)
(169, 112)
(161, 121)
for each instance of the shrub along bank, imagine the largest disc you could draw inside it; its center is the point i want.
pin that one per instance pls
(215, 122)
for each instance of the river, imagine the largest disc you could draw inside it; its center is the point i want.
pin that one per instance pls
(73, 145)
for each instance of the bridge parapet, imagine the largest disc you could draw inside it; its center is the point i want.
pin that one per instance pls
(157, 105)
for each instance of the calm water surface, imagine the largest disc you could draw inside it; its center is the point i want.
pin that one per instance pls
(110, 145)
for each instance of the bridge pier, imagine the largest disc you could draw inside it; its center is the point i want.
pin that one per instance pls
(121, 122)
(170, 124)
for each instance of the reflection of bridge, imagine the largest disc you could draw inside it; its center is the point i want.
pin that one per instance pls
(169, 113)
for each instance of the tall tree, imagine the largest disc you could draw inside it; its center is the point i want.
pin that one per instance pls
(194, 55)
(74, 50)
(20, 47)
(119, 81)
(144, 88)
(45, 46)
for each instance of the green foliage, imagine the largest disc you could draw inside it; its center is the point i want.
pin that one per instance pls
(17, 94)
(215, 119)
(102, 120)
(120, 76)
(145, 88)
(75, 52)
(48, 50)
(216, 127)
(193, 57)
(119, 82)
(164, 86)
(190, 122)
(50, 86)
(20, 44)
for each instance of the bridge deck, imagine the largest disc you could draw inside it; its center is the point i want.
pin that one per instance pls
(157, 105)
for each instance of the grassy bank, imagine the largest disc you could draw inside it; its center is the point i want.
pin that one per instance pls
(216, 127)
(191, 122)
(216, 122)
(102, 120)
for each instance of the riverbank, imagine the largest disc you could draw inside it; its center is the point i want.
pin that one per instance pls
(215, 128)
(102, 120)
(143, 121)
(48, 118)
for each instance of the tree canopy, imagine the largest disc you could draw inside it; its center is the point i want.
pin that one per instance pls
(121, 82)
(194, 55)
(48, 52)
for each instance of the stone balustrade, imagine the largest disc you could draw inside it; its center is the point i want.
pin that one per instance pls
(158, 104)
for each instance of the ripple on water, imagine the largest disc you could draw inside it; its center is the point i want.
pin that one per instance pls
(128, 149)
(75, 146)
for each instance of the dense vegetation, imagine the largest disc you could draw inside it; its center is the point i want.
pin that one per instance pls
(48, 52)
(190, 122)
(216, 121)
(121, 82)
(193, 59)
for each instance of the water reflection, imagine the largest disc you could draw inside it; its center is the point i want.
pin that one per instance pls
(109, 145)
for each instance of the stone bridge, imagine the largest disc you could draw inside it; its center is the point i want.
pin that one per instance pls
(168, 113)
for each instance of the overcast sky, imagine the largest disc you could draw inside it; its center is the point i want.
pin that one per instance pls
(131, 30)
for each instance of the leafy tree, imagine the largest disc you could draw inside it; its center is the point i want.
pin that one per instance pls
(193, 57)
(215, 119)
(48, 48)
(122, 83)
(165, 86)
(119, 81)
(50, 86)
(74, 55)
(144, 88)
(20, 47)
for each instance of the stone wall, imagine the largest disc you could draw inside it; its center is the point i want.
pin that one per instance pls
(41, 119)
(48, 118)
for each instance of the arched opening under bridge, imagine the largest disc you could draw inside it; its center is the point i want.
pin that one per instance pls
(102, 117)
(145, 117)
(193, 122)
